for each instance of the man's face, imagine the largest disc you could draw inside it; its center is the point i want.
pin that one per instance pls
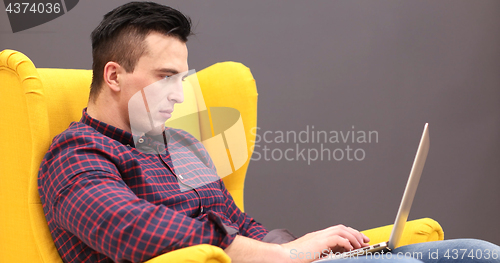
(155, 85)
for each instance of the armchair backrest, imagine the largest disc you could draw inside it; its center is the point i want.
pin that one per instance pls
(37, 104)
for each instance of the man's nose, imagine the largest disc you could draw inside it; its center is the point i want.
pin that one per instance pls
(176, 93)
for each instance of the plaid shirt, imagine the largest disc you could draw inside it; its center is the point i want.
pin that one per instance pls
(106, 198)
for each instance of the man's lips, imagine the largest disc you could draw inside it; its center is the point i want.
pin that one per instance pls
(166, 113)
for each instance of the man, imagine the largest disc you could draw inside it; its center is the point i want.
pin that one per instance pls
(110, 186)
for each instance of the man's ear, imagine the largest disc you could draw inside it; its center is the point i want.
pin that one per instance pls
(112, 70)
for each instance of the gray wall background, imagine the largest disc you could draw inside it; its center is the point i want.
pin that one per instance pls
(385, 66)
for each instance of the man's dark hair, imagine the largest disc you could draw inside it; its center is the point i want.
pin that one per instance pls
(120, 35)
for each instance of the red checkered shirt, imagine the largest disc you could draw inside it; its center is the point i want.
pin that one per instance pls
(107, 198)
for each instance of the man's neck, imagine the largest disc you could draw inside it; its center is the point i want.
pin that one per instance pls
(103, 112)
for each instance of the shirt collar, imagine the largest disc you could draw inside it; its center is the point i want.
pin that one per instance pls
(145, 143)
(112, 132)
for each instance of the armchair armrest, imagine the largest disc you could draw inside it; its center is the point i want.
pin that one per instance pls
(416, 231)
(196, 254)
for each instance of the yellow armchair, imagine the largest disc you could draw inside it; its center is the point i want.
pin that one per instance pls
(37, 104)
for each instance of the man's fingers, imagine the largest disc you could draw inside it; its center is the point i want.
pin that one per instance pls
(347, 235)
(342, 242)
(359, 236)
(356, 239)
(365, 238)
(352, 237)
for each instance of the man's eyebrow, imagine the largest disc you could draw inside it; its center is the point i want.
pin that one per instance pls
(167, 70)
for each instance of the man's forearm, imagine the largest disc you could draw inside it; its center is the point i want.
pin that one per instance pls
(247, 250)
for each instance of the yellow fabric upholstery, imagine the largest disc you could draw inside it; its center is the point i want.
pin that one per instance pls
(16, 157)
(37, 104)
(416, 231)
(235, 90)
(198, 253)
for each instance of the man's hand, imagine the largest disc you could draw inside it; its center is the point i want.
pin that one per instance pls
(335, 239)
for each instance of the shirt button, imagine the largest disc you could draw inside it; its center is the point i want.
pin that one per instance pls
(141, 140)
(201, 210)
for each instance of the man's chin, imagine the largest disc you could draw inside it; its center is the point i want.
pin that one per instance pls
(156, 130)
(140, 131)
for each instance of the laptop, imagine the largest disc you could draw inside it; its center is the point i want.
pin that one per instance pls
(404, 207)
